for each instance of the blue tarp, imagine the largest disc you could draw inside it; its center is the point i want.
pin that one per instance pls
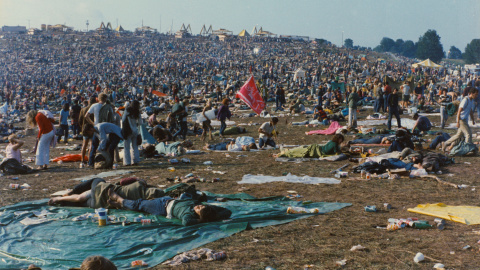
(63, 243)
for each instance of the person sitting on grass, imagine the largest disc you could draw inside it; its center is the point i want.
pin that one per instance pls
(189, 211)
(13, 148)
(331, 148)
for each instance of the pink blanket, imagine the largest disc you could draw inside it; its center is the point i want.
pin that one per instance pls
(334, 126)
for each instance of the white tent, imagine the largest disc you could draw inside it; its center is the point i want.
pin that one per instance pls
(427, 63)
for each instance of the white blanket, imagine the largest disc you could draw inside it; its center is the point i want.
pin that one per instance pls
(260, 179)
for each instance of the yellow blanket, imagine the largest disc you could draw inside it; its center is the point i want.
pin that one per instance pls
(469, 215)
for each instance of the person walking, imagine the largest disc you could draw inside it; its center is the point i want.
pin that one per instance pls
(465, 110)
(352, 101)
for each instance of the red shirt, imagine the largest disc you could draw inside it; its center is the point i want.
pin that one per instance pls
(44, 124)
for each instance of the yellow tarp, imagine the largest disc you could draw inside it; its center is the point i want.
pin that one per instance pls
(469, 215)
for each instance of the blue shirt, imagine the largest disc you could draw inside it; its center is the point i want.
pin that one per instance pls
(103, 130)
(64, 117)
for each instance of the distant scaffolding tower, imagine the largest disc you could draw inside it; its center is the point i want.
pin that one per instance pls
(204, 32)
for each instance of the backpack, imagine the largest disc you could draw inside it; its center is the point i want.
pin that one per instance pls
(106, 114)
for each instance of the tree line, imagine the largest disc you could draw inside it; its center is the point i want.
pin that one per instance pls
(428, 46)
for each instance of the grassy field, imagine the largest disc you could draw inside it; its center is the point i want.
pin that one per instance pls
(321, 240)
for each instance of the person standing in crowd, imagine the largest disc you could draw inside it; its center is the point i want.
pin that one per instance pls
(86, 128)
(393, 110)
(219, 93)
(132, 118)
(465, 110)
(352, 101)
(64, 114)
(74, 115)
(406, 95)
(206, 124)
(279, 98)
(46, 134)
(444, 100)
(223, 114)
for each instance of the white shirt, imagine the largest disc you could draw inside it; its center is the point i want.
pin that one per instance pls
(95, 110)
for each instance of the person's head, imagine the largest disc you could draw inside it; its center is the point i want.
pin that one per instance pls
(274, 121)
(252, 146)
(225, 101)
(415, 116)
(66, 107)
(92, 100)
(158, 133)
(338, 138)
(31, 118)
(473, 93)
(102, 98)
(206, 213)
(395, 90)
(97, 263)
(134, 109)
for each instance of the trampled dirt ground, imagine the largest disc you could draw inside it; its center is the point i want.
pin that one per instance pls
(321, 240)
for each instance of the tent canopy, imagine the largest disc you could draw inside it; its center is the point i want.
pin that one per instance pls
(244, 33)
(427, 63)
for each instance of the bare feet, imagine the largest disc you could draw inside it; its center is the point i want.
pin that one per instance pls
(114, 199)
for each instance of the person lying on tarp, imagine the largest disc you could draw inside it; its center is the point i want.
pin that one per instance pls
(188, 210)
(379, 139)
(331, 148)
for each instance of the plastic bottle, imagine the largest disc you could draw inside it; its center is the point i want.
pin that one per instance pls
(392, 227)
(139, 263)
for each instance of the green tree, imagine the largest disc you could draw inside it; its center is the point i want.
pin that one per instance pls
(409, 49)
(429, 46)
(472, 52)
(386, 44)
(348, 43)
(454, 53)
(398, 46)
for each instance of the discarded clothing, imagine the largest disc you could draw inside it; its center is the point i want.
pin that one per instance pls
(260, 179)
(12, 166)
(469, 215)
(463, 149)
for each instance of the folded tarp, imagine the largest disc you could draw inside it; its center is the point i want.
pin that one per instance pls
(61, 243)
(469, 215)
(329, 131)
(260, 179)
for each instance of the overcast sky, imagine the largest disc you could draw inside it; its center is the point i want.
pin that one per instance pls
(364, 21)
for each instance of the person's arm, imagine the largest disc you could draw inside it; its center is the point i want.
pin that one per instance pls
(416, 124)
(88, 119)
(189, 219)
(460, 109)
(17, 144)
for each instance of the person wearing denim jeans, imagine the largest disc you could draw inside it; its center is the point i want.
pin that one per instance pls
(223, 114)
(267, 131)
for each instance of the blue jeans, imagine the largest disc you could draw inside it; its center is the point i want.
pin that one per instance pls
(266, 141)
(393, 111)
(156, 206)
(439, 139)
(182, 131)
(93, 150)
(223, 126)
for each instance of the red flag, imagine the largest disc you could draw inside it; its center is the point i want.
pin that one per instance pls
(62, 92)
(157, 93)
(250, 95)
